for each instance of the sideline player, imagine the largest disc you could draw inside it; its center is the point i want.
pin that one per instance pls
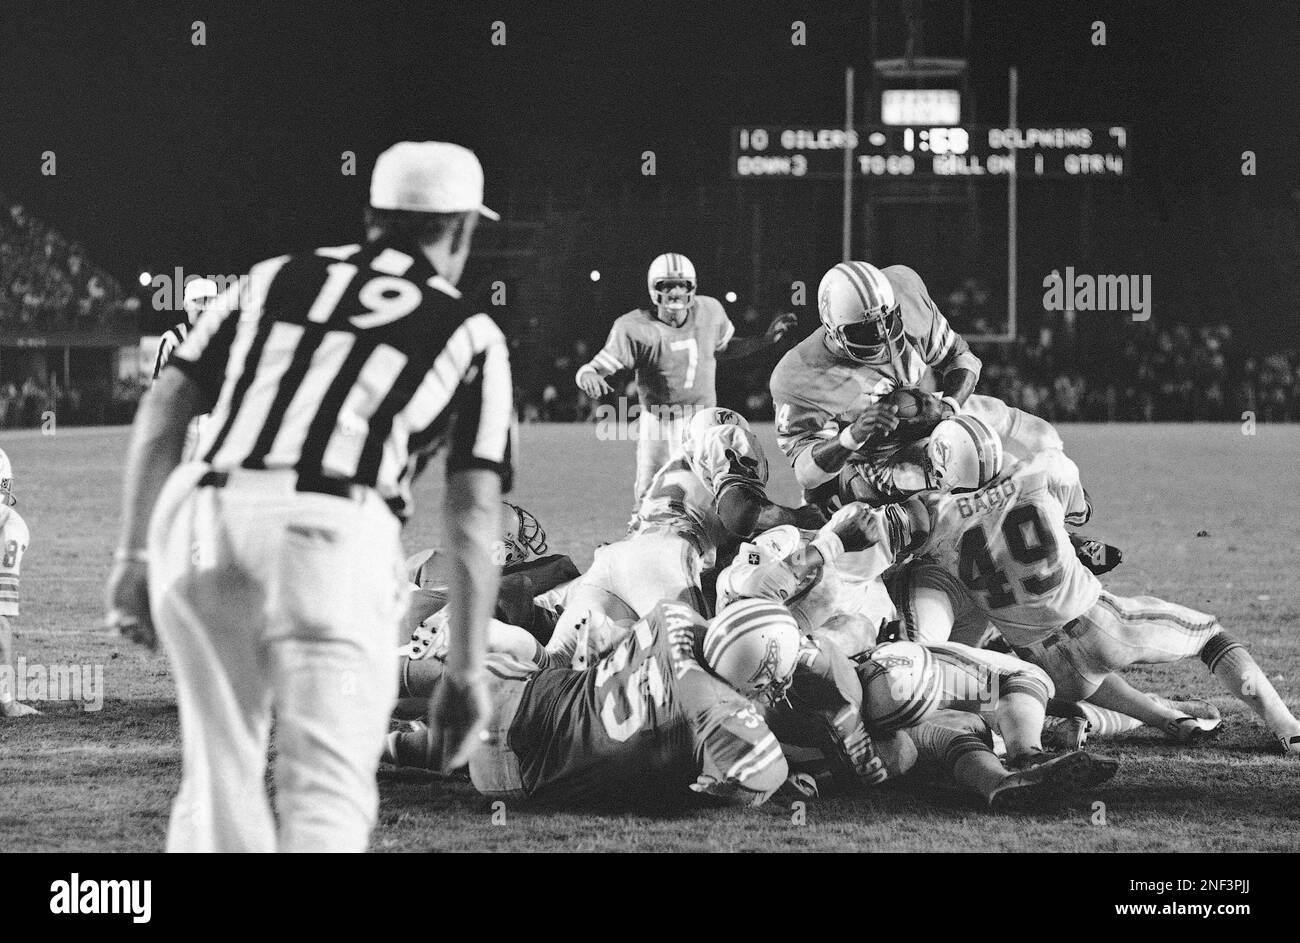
(673, 348)
(276, 567)
(998, 526)
(199, 293)
(880, 332)
(14, 538)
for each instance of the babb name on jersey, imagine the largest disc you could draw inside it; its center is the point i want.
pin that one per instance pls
(996, 496)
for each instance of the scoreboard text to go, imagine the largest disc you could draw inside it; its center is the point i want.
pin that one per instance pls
(891, 151)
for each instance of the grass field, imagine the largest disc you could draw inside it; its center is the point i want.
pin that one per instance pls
(1206, 516)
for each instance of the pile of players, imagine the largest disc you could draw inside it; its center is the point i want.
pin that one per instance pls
(929, 610)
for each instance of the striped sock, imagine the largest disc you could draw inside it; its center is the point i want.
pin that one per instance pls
(1241, 675)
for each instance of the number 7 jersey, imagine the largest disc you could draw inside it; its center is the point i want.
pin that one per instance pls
(674, 365)
(1008, 545)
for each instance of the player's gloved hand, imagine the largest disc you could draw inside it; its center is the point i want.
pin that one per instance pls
(853, 527)
(874, 422)
(458, 716)
(780, 326)
(591, 382)
(126, 602)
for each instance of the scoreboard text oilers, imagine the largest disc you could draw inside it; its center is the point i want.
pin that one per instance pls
(947, 151)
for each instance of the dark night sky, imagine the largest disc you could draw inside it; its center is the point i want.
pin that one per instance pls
(223, 154)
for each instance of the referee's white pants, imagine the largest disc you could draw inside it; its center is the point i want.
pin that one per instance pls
(273, 601)
(659, 435)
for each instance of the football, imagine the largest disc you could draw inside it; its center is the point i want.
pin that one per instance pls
(908, 401)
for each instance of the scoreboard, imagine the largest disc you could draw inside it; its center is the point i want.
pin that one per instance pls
(894, 152)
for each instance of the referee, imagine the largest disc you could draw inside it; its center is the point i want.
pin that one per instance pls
(272, 566)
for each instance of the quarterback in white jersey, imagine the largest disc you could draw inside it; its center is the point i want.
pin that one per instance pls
(14, 538)
(673, 349)
(880, 333)
(999, 527)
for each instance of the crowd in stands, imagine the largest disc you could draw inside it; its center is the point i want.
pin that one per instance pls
(46, 282)
(1141, 372)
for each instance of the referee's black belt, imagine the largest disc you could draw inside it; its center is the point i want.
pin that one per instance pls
(314, 484)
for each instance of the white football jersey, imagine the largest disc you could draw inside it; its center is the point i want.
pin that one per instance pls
(1008, 545)
(14, 538)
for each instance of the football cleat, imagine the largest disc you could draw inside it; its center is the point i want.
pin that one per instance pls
(860, 314)
(1065, 733)
(1290, 745)
(962, 454)
(672, 287)
(1205, 714)
(1096, 556)
(1053, 779)
(1189, 730)
(409, 745)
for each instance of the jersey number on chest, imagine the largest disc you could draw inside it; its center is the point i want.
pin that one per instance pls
(692, 349)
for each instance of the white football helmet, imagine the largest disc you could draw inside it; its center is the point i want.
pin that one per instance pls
(963, 454)
(6, 480)
(672, 287)
(199, 292)
(753, 645)
(901, 686)
(705, 419)
(524, 539)
(857, 307)
(728, 451)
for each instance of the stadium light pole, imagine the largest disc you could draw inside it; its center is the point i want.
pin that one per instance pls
(846, 236)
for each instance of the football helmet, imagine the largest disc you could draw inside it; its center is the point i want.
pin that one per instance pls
(901, 686)
(705, 419)
(963, 454)
(728, 453)
(857, 307)
(199, 292)
(524, 538)
(6, 481)
(753, 645)
(672, 287)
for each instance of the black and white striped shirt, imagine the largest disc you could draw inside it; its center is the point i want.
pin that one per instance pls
(353, 363)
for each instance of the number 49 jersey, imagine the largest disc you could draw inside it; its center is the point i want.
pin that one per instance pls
(643, 724)
(1008, 545)
(674, 365)
(13, 544)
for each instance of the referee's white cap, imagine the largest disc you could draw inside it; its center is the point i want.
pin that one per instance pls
(428, 177)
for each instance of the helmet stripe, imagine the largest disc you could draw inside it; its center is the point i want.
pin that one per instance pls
(856, 282)
(870, 280)
(979, 434)
(739, 620)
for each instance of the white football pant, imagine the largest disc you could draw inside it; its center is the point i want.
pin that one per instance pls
(273, 601)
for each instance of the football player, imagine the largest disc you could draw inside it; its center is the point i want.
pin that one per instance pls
(706, 498)
(199, 293)
(672, 348)
(14, 538)
(880, 332)
(999, 526)
(644, 727)
(534, 584)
